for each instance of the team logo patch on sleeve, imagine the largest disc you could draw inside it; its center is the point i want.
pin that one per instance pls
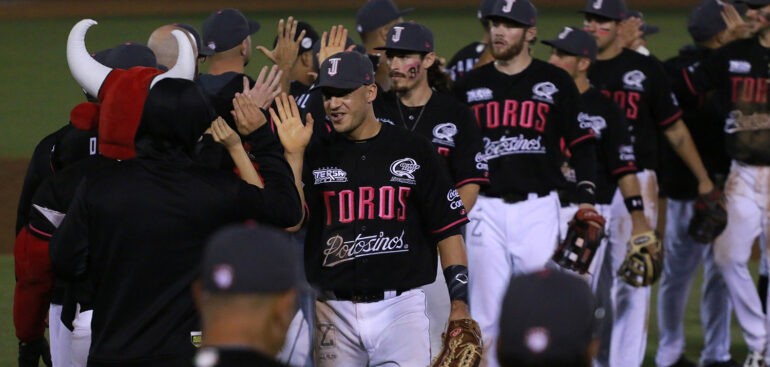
(633, 80)
(479, 94)
(444, 134)
(453, 197)
(403, 170)
(544, 92)
(626, 153)
(330, 174)
(595, 123)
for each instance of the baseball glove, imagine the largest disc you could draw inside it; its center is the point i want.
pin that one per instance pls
(644, 260)
(462, 345)
(583, 238)
(709, 218)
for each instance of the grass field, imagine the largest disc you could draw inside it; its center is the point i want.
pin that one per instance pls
(38, 93)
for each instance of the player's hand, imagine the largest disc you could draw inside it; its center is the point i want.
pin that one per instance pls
(592, 208)
(333, 42)
(266, 88)
(223, 134)
(32, 352)
(630, 30)
(737, 28)
(247, 115)
(705, 187)
(459, 311)
(294, 135)
(285, 52)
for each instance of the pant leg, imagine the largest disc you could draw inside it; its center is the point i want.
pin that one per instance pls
(60, 338)
(438, 306)
(337, 340)
(81, 337)
(715, 312)
(489, 267)
(396, 332)
(532, 232)
(681, 258)
(732, 250)
(631, 304)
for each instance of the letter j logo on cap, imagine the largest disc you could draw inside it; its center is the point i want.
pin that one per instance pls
(508, 6)
(333, 69)
(397, 34)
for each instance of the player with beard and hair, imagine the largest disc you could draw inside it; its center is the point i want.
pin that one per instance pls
(526, 108)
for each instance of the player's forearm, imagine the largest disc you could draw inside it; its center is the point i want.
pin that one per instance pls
(452, 251)
(679, 137)
(244, 166)
(455, 265)
(296, 160)
(468, 194)
(631, 190)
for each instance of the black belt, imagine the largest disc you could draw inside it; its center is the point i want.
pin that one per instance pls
(515, 197)
(362, 296)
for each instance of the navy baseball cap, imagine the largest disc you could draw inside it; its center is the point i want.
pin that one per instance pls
(611, 9)
(127, 55)
(377, 13)
(306, 44)
(345, 70)
(575, 41)
(547, 317)
(250, 259)
(484, 9)
(226, 28)
(519, 11)
(202, 51)
(705, 20)
(646, 29)
(409, 36)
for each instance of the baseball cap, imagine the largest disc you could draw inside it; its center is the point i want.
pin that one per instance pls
(484, 9)
(612, 9)
(705, 20)
(249, 259)
(547, 317)
(226, 28)
(126, 55)
(306, 44)
(574, 41)
(377, 13)
(646, 29)
(519, 11)
(202, 51)
(409, 36)
(345, 70)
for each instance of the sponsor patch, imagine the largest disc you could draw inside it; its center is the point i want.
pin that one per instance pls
(544, 92)
(444, 134)
(478, 94)
(403, 170)
(740, 66)
(633, 80)
(595, 123)
(329, 175)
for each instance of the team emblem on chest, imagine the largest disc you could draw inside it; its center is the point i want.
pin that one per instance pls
(544, 92)
(633, 80)
(403, 170)
(444, 134)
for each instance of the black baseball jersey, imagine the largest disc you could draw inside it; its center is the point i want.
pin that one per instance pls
(640, 86)
(523, 118)
(738, 72)
(465, 59)
(704, 116)
(615, 153)
(450, 126)
(377, 209)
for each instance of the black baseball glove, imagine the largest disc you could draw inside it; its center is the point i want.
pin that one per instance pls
(709, 218)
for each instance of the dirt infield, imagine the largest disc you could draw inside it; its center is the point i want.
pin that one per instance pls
(12, 176)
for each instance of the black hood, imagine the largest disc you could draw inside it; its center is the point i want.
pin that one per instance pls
(175, 116)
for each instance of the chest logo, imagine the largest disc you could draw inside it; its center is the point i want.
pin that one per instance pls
(633, 80)
(403, 170)
(544, 92)
(444, 133)
(479, 94)
(328, 175)
(595, 123)
(740, 66)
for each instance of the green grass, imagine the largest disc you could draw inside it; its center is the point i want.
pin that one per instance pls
(38, 91)
(694, 335)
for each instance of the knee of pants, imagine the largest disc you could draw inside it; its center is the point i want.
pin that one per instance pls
(726, 257)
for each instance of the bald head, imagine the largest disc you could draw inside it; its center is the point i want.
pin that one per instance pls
(163, 44)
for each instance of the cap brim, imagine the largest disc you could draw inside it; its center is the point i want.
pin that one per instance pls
(557, 45)
(205, 51)
(385, 48)
(584, 11)
(339, 84)
(253, 26)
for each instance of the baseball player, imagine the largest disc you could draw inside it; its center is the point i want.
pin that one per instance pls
(704, 118)
(451, 127)
(377, 196)
(738, 74)
(639, 85)
(525, 107)
(373, 21)
(574, 50)
(476, 53)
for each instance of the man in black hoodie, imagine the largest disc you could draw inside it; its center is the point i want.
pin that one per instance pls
(137, 230)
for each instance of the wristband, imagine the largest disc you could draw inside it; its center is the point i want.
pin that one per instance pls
(456, 277)
(634, 203)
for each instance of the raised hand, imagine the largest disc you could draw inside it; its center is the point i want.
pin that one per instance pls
(630, 30)
(224, 135)
(294, 135)
(266, 88)
(248, 117)
(334, 43)
(737, 28)
(285, 52)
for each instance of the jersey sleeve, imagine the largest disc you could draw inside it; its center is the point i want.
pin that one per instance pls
(573, 132)
(707, 74)
(617, 145)
(664, 105)
(438, 201)
(465, 168)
